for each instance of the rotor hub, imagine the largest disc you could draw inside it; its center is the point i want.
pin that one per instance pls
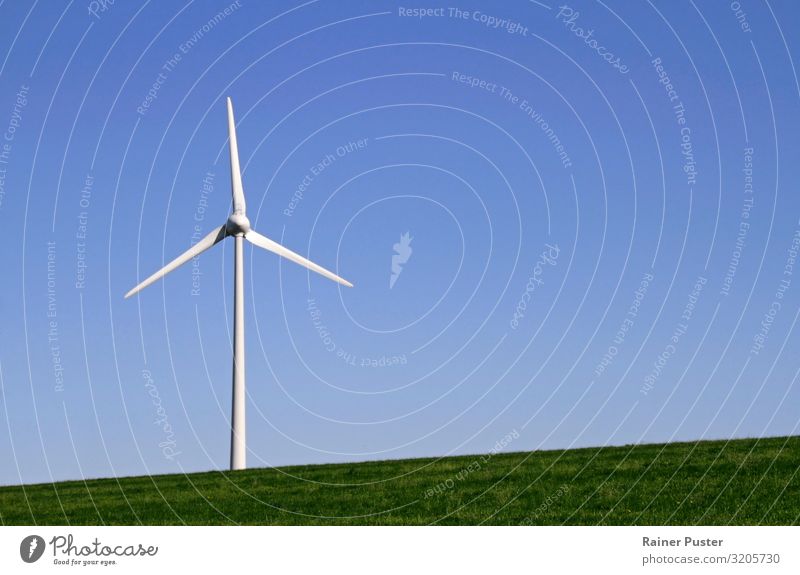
(237, 224)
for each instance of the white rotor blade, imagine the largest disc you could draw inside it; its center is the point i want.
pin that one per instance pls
(214, 237)
(236, 175)
(264, 242)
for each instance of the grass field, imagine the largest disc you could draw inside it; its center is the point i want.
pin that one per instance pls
(740, 482)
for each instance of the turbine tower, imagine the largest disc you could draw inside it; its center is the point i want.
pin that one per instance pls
(238, 227)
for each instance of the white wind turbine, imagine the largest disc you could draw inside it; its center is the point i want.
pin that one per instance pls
(237, 226)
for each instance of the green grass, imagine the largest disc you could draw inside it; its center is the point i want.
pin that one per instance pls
(740, 482)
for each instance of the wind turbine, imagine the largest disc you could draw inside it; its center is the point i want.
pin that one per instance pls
(238, 227)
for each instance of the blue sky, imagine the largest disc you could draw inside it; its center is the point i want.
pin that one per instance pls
(601, 200)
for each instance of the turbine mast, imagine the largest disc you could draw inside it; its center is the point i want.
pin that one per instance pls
(238, 427)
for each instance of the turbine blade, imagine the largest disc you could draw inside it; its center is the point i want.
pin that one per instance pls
(264, 242)
(236, 175)
(211, 239)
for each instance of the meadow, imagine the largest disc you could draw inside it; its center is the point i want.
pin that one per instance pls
(738, 482)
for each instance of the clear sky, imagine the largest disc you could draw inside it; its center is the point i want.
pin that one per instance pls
(571, 224)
